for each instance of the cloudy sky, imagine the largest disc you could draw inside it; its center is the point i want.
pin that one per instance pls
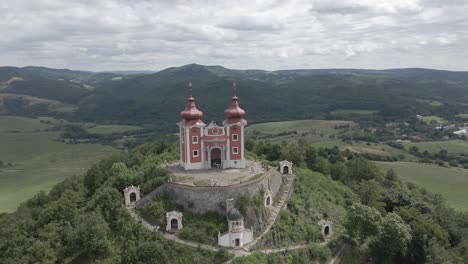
(270, 35)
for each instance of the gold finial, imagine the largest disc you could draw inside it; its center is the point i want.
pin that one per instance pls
(234, 87)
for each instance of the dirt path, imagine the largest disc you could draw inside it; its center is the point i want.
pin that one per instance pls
(274, 213)
(332, 261)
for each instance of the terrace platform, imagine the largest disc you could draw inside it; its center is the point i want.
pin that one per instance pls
(217, 177)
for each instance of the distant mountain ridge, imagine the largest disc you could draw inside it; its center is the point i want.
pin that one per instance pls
(158, 97)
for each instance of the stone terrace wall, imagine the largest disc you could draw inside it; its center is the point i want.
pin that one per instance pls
(201, 199)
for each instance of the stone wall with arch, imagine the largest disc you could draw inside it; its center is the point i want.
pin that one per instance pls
(203, 199)
(173, 221)
(268, 198)
(131, 195)
(285, 167)
(326, 228)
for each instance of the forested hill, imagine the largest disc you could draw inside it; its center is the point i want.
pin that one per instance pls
(142, 97)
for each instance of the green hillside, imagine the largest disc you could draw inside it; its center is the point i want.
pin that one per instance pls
(156, 98)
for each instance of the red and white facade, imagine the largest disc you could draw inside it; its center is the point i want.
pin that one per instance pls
(212, 146)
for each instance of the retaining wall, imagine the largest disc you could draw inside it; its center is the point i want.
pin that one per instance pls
(203, 199)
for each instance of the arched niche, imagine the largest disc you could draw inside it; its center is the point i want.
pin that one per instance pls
(173, 221)
(131, 195)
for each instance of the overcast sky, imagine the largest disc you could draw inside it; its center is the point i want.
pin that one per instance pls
(153, 35)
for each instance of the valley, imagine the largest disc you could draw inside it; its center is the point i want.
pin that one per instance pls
(34, 157)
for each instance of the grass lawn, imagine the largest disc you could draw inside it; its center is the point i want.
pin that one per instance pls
(316, 131)
(452, 183)
(109, 129)
(38, 160)
(353, 111)
(23, 124)
(431, 102)
(452, 146)
(464, 116)
(429, 119)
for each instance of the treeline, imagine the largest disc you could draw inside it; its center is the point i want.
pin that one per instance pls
(441, 158)
(83, 219)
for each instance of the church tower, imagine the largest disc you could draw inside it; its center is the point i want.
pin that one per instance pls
(191, 132)
(234, 125)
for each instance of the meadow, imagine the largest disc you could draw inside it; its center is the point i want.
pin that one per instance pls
(35, 159)
(449, 182)
(321, 134)
(452, 146)
(353, 112)
(431, 102)
(436, 119)
(109, 129)
(464, 116)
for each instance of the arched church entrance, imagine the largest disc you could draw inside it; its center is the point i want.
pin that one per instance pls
(174, 224)
(216, 158)
(133, 197)
(326, 231)
(285, 169)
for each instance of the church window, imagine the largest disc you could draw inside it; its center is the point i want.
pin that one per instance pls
(235, 137)
(235, 150)
(195, 140)
(195, 153)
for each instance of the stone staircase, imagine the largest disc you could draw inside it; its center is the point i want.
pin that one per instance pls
(286, 191)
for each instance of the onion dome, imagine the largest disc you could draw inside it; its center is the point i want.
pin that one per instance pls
(234, 215)
(234, 111)
(191, 112)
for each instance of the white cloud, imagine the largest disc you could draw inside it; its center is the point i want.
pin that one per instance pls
(139, 34)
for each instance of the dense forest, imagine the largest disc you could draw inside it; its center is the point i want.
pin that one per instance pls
(157, 98)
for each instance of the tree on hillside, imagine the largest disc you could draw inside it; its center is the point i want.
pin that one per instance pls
(362, 222)
(371, 194)
(393, 239)
(294, 152)
(362, 169)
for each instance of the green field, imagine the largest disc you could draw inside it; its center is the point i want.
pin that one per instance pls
(377, 149)
(429, 119)
(318, 132)
(452, 146)
(449, 182)
(109, 129)
(353, 111)
(38, 160)
(464, 116)
(431, 102)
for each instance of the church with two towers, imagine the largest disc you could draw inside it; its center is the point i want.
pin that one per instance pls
(212, 146)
